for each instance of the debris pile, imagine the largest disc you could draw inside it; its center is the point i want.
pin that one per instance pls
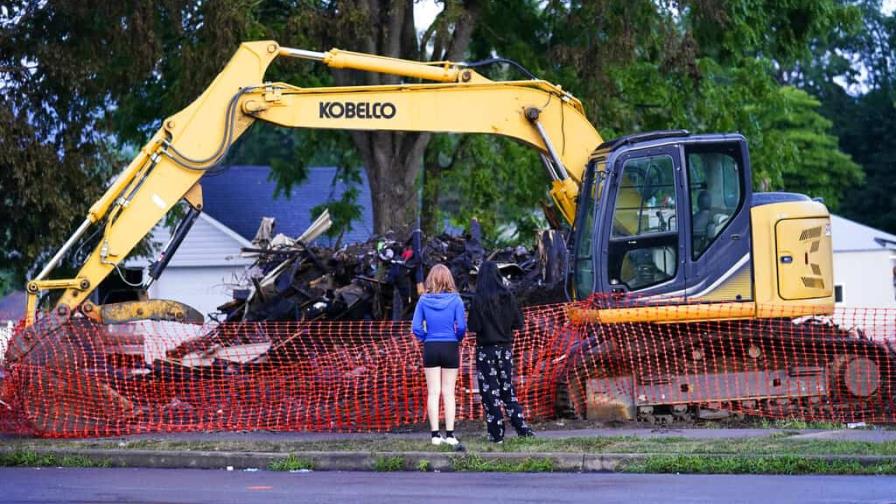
(79, 376)
(380, 279)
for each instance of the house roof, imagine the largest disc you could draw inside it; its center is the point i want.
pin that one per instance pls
(209, 243)
(850, 236)
(12, 306)
(242, 195)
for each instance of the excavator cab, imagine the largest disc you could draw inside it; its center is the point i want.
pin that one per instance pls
(670, 218)
(665, 214)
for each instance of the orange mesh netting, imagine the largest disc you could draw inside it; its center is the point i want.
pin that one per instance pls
(786, 364)
(78, 378)
(84, 379)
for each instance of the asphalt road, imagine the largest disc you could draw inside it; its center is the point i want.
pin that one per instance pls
(160, 486)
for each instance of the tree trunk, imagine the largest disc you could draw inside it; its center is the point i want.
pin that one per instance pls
(393, 160)
(432, 188)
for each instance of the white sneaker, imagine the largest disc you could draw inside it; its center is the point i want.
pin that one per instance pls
(437, 440)
(451, 440)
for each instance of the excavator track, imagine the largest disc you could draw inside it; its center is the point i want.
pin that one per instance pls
(807, 369)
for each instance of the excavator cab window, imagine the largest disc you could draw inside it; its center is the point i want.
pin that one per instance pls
(589, 203)
(716, 193)
(643, 246)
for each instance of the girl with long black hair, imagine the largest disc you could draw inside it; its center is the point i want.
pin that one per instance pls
(494, 315)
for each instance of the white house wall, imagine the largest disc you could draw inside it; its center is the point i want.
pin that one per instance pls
(866, 278)
(204, 269)
(203, 288)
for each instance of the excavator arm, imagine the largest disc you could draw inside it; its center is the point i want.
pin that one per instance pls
(168, 168)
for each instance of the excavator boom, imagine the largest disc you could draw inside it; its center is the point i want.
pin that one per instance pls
(168, 168)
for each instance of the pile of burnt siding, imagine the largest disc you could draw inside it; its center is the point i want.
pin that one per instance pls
(381, 279)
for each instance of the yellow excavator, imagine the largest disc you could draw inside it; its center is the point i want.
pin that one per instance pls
(667, 218)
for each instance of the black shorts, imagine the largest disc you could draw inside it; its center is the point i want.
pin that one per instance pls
(444, 354)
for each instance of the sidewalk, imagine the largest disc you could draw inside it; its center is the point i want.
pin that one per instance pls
(868, 435)
(578, 450)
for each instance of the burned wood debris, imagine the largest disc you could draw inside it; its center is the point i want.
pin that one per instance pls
(292, 279)
(88, 377)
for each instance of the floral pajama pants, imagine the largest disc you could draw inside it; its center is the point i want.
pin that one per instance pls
(494, 365)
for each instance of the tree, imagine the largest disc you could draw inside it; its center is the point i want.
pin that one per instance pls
(864, 111)
(711, 66)
(87, 79)
(84, 80)
(393, 160)
(814, 164)
(498, 181)
(63, 65)
(871, 141)
(645, 65)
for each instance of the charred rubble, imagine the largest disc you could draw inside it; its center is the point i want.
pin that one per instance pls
(380, 279)
(111, 367)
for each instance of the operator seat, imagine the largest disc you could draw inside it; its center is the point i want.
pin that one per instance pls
(703, 226)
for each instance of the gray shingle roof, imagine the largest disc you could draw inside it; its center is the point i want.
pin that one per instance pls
(850, 236)
(242, 195)
(12, 306)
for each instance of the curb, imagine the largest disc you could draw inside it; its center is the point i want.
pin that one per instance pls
(373, 461)
(320, 461)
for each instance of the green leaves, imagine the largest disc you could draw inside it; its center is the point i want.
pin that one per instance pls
(345, 209)
(86, 80)
(498, 181)
(801, 153)
(701, 65)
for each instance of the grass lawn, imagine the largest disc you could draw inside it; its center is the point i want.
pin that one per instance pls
(777, 453)
(774, 444)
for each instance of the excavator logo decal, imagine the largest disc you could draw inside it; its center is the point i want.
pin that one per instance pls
(359, 110)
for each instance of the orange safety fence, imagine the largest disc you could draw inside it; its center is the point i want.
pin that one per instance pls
(82, 379)
(789, 363)
(78, 379)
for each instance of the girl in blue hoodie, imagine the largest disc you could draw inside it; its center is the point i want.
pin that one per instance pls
(440, 324)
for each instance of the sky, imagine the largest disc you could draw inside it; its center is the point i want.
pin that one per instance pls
(425, 11)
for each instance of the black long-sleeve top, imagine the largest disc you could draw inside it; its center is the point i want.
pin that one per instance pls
(494, 320)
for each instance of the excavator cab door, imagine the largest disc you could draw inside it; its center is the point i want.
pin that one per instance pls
(718, 266)
(640, 237)
(584, 245)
